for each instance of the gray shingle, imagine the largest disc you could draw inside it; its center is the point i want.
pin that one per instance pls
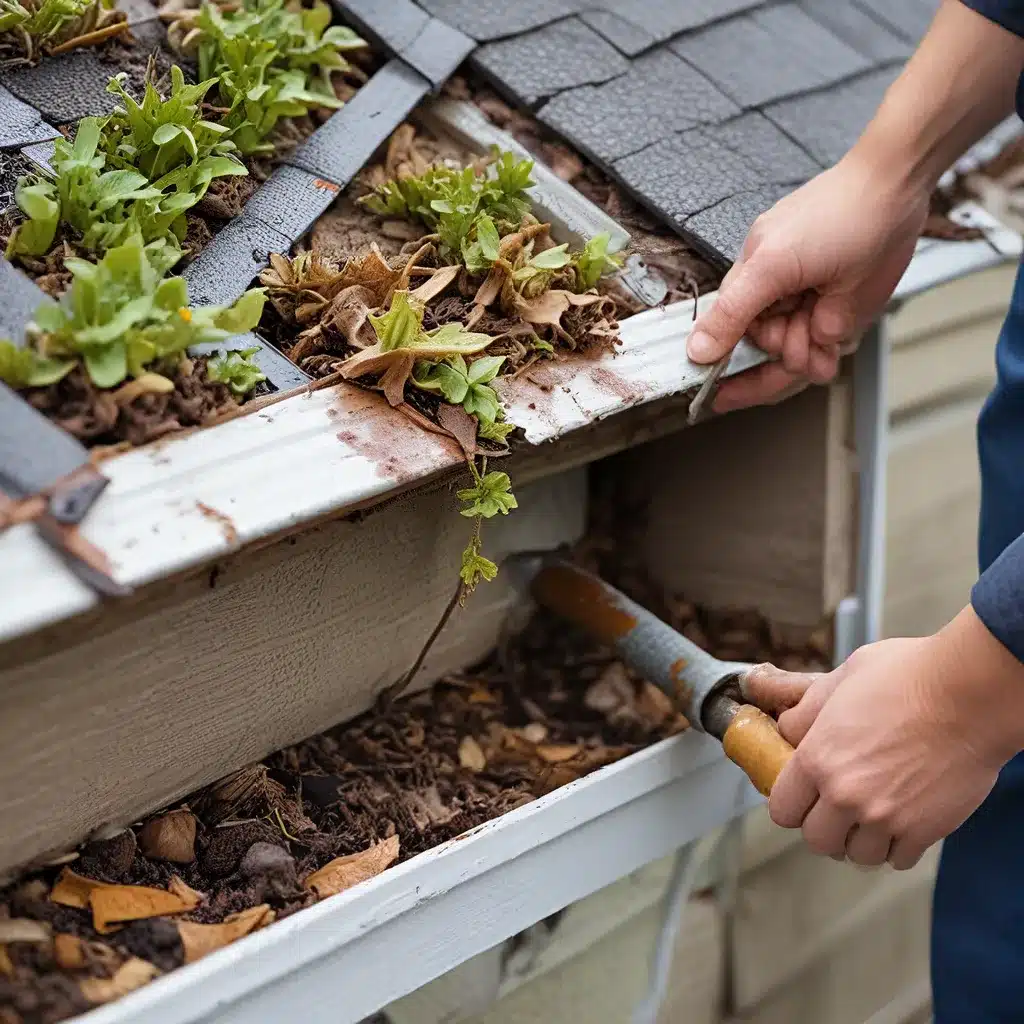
(290, 200)
(666, 18)
(432, 47)
(339, 148)
(437, 51)
(827, 123)
(772, 153)
(724, 226)
(551, 59)
(64, 90)
(493, 19)
(660, 94)
(686, 174)
(227, 266)
(910, 18)
(767, 54)
(625, 36)
(861, 30)
(395, 23)
(20, 124)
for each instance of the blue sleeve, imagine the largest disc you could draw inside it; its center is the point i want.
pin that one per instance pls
(998, 598)
(1008, 13)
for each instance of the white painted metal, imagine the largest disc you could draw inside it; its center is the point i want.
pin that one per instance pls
(347, 957)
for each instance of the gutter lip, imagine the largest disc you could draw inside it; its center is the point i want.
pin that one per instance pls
(154, 520)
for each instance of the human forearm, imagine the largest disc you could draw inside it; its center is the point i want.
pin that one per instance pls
(959, 84)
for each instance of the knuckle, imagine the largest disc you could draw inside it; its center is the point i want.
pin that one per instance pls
(878, 812)
(840, 791)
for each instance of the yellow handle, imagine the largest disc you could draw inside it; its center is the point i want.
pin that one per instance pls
(753, 742)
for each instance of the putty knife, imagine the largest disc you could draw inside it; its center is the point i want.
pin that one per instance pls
(706, 690)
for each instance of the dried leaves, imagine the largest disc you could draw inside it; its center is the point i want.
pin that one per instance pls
(115, 905)
(200, 939)
(132, 974)
(471, 756)
(344, 872)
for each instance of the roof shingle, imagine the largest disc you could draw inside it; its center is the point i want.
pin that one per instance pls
(660, 94)
(768, 54)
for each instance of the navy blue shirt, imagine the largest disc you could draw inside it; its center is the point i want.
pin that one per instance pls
(998, 596)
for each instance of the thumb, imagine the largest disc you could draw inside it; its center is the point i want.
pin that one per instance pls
(775, 690)
(761, 280)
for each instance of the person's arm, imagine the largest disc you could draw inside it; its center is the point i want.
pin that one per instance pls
(819, 267)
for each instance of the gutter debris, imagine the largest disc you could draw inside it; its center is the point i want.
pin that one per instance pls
(548, 707)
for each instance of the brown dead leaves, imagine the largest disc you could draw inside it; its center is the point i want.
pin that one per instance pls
(199, 940)
(115, 905)
(471, 756)
(344, 872)
(132, 974)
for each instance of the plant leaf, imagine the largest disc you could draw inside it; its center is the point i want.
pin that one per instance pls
(344, 872)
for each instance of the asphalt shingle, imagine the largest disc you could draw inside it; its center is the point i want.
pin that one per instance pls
(549, 60)
(827, 123)
(762, 56)
(624, 35)
(665, 18)
(20, 124)
(493, 19)
(722, 228)
(686, 174)
(660, 94)
(339, 148)
(910, 18)
(772, 153)
(861, 30)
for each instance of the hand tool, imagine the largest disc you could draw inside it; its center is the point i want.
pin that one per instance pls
(707, 691)
(707, 388)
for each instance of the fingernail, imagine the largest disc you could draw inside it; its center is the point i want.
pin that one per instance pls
(701, 347)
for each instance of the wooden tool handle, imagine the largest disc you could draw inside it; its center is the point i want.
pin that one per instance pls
(753, 741)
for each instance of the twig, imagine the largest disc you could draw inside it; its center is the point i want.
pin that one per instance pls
(388, 695)
(98, 35)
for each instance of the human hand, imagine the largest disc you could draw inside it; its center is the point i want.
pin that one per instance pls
(898, 746)
(814, 272)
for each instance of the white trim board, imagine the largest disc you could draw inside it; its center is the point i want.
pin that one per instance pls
(186, 501)
(346, 958)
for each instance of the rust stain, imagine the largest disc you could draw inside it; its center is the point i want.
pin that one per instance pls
(398, 449)
(615, 384)
(681, 689)
(327, 186)
(224, 521)
(583, 600)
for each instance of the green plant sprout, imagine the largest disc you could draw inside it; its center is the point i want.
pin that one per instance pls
(271, 59)
(237, 370)
(36, 27)
(136, 172)
(169, 140)
(464, 385)
(469, 210)
(121, 318)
